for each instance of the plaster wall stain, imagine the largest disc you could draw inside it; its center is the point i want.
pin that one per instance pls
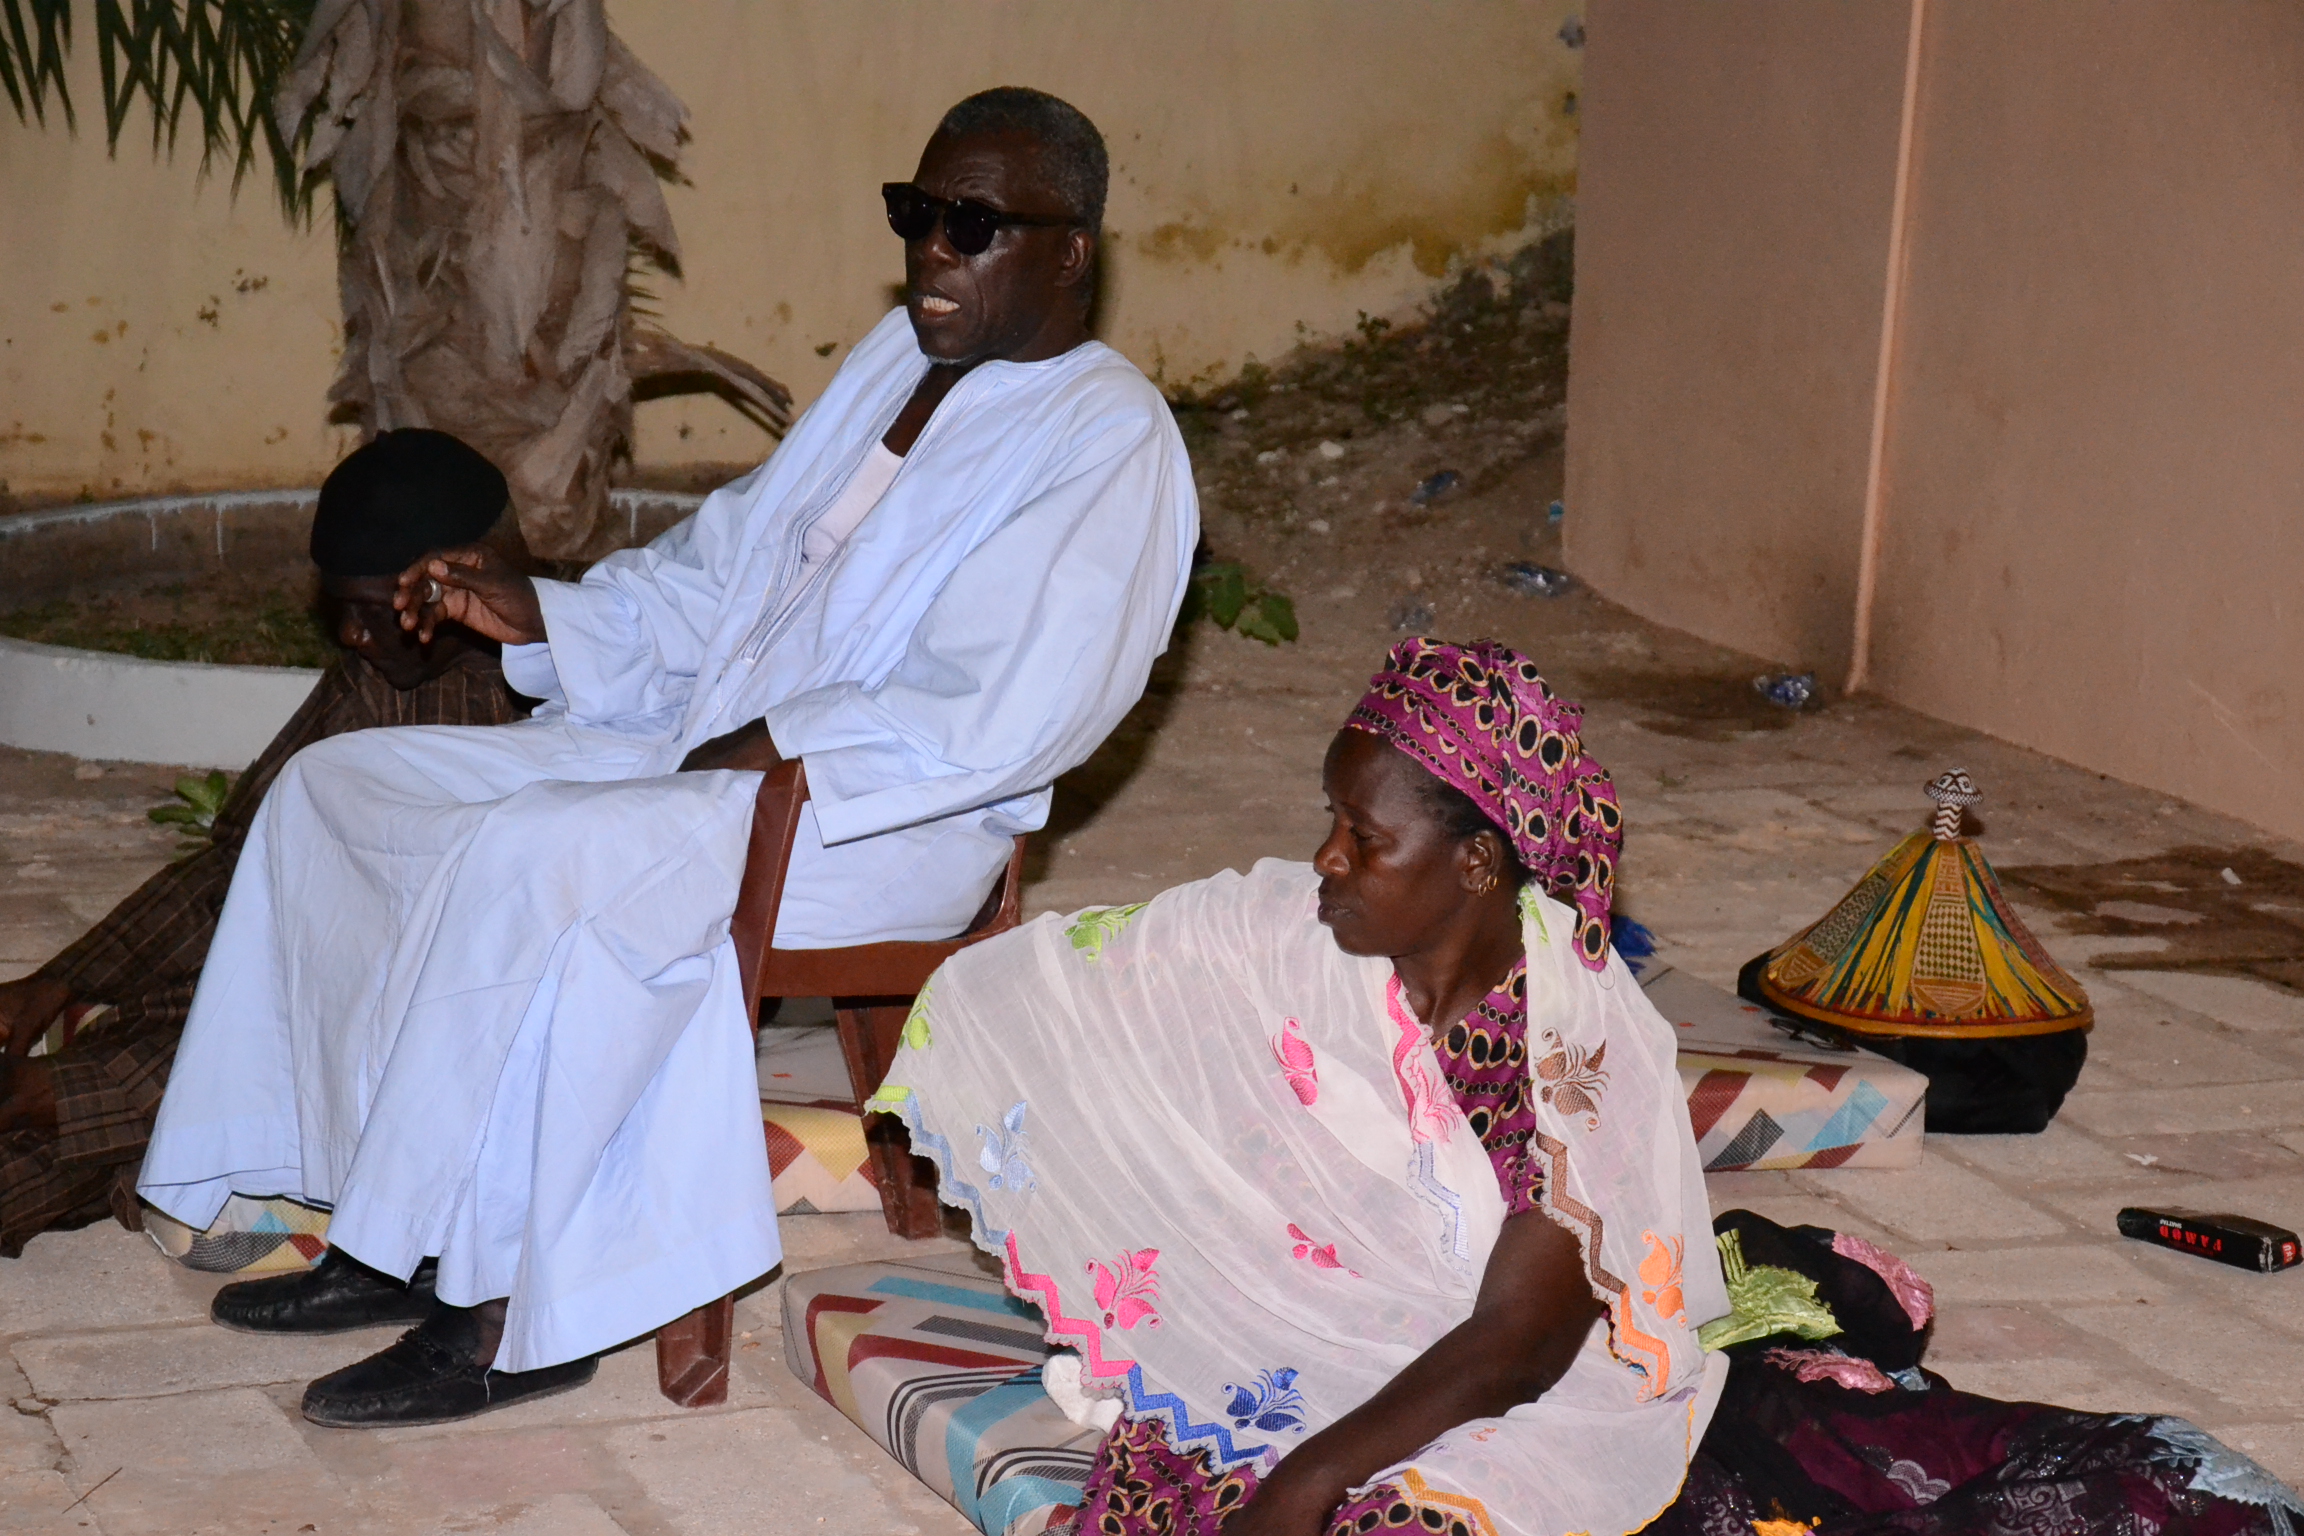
(1501, 188)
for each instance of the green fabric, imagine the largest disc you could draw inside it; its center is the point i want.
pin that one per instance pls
(1098, 926)
(1764, 1300)
(916, 1032)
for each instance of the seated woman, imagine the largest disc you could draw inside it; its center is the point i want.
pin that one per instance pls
(1365, 1191)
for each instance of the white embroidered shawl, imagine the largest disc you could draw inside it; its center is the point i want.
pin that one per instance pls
(1224, 1163)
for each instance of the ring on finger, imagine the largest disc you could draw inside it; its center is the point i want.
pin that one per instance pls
(432, 590)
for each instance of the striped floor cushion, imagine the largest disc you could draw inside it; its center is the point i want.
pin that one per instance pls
(1760, 1098)
(942, 1370)
(815, 1141)
(250, 1237)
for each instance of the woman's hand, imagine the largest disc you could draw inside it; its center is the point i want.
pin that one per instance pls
(1531, 1316)
(747, 746)
(472, 585)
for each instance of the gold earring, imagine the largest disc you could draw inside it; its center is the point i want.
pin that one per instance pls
(1489, 886)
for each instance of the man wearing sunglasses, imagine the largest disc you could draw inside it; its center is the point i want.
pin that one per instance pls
(475, 991)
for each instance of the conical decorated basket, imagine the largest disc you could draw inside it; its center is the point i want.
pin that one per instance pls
(1925, 949)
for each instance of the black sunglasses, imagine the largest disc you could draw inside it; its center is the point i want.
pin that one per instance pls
(968, 224)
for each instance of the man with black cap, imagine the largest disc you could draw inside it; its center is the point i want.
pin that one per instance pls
(74, 1124)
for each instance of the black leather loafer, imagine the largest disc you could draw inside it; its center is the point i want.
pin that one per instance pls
(429, 1377)
(336, 1295)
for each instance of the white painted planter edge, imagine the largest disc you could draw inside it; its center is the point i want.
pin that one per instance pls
(94, 704)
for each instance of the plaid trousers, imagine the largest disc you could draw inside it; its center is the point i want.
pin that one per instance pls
(144, 960)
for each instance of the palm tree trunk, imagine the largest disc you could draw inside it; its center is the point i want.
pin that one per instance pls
(495, 164)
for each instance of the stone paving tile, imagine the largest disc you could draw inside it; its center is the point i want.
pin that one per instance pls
(27, 1442)
(2057, 1275)
(1743, 812)
(495, 1481)
(2216, 1154)
(2231, 1000)
(2167, 1054)
(1939, 1200)
(98, 1277)
(2246, 1368)
(2061, 1154)
(196, 1358)
(226, 1462)
(232, 1431)
(2173, 1048)
(770, 1469)
(564, 1514)
(2249, 1106)
(42, 1502)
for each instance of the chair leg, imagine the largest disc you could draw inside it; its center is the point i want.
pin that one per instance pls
(692, 1354)
(869, 1034)
(907, 1183)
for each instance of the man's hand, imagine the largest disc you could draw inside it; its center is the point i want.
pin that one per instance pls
(27, 1007)
(472, 585)
(747, 746)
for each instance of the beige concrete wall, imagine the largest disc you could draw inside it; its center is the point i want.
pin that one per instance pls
(1730, 246)
(1278, 167)
(2090, 536)
(2094, 532)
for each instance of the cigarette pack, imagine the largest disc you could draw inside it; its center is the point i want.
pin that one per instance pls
(2228, 1239)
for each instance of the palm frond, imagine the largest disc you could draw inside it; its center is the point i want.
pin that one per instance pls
(36, 36)
(218, 60)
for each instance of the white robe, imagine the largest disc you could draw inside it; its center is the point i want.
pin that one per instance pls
(473, 986)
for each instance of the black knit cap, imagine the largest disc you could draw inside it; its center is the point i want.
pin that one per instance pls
(400, 496)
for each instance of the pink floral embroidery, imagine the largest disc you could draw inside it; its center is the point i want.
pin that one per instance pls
(1431, 1113)
(1319, 1256)
(1127, 1297)
(1090, 1339)
(1295, 1058)
(1913, 1294)
(1823, 1365)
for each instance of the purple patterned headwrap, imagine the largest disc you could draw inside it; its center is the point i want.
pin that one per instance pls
(1481, 719)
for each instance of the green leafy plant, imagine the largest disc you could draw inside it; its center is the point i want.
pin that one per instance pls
(1223, 594)
(194, 809)
(222, 59)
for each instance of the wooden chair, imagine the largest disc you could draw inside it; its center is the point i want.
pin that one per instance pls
(872, 987)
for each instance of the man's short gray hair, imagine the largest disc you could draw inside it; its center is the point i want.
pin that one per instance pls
(1072, 149)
